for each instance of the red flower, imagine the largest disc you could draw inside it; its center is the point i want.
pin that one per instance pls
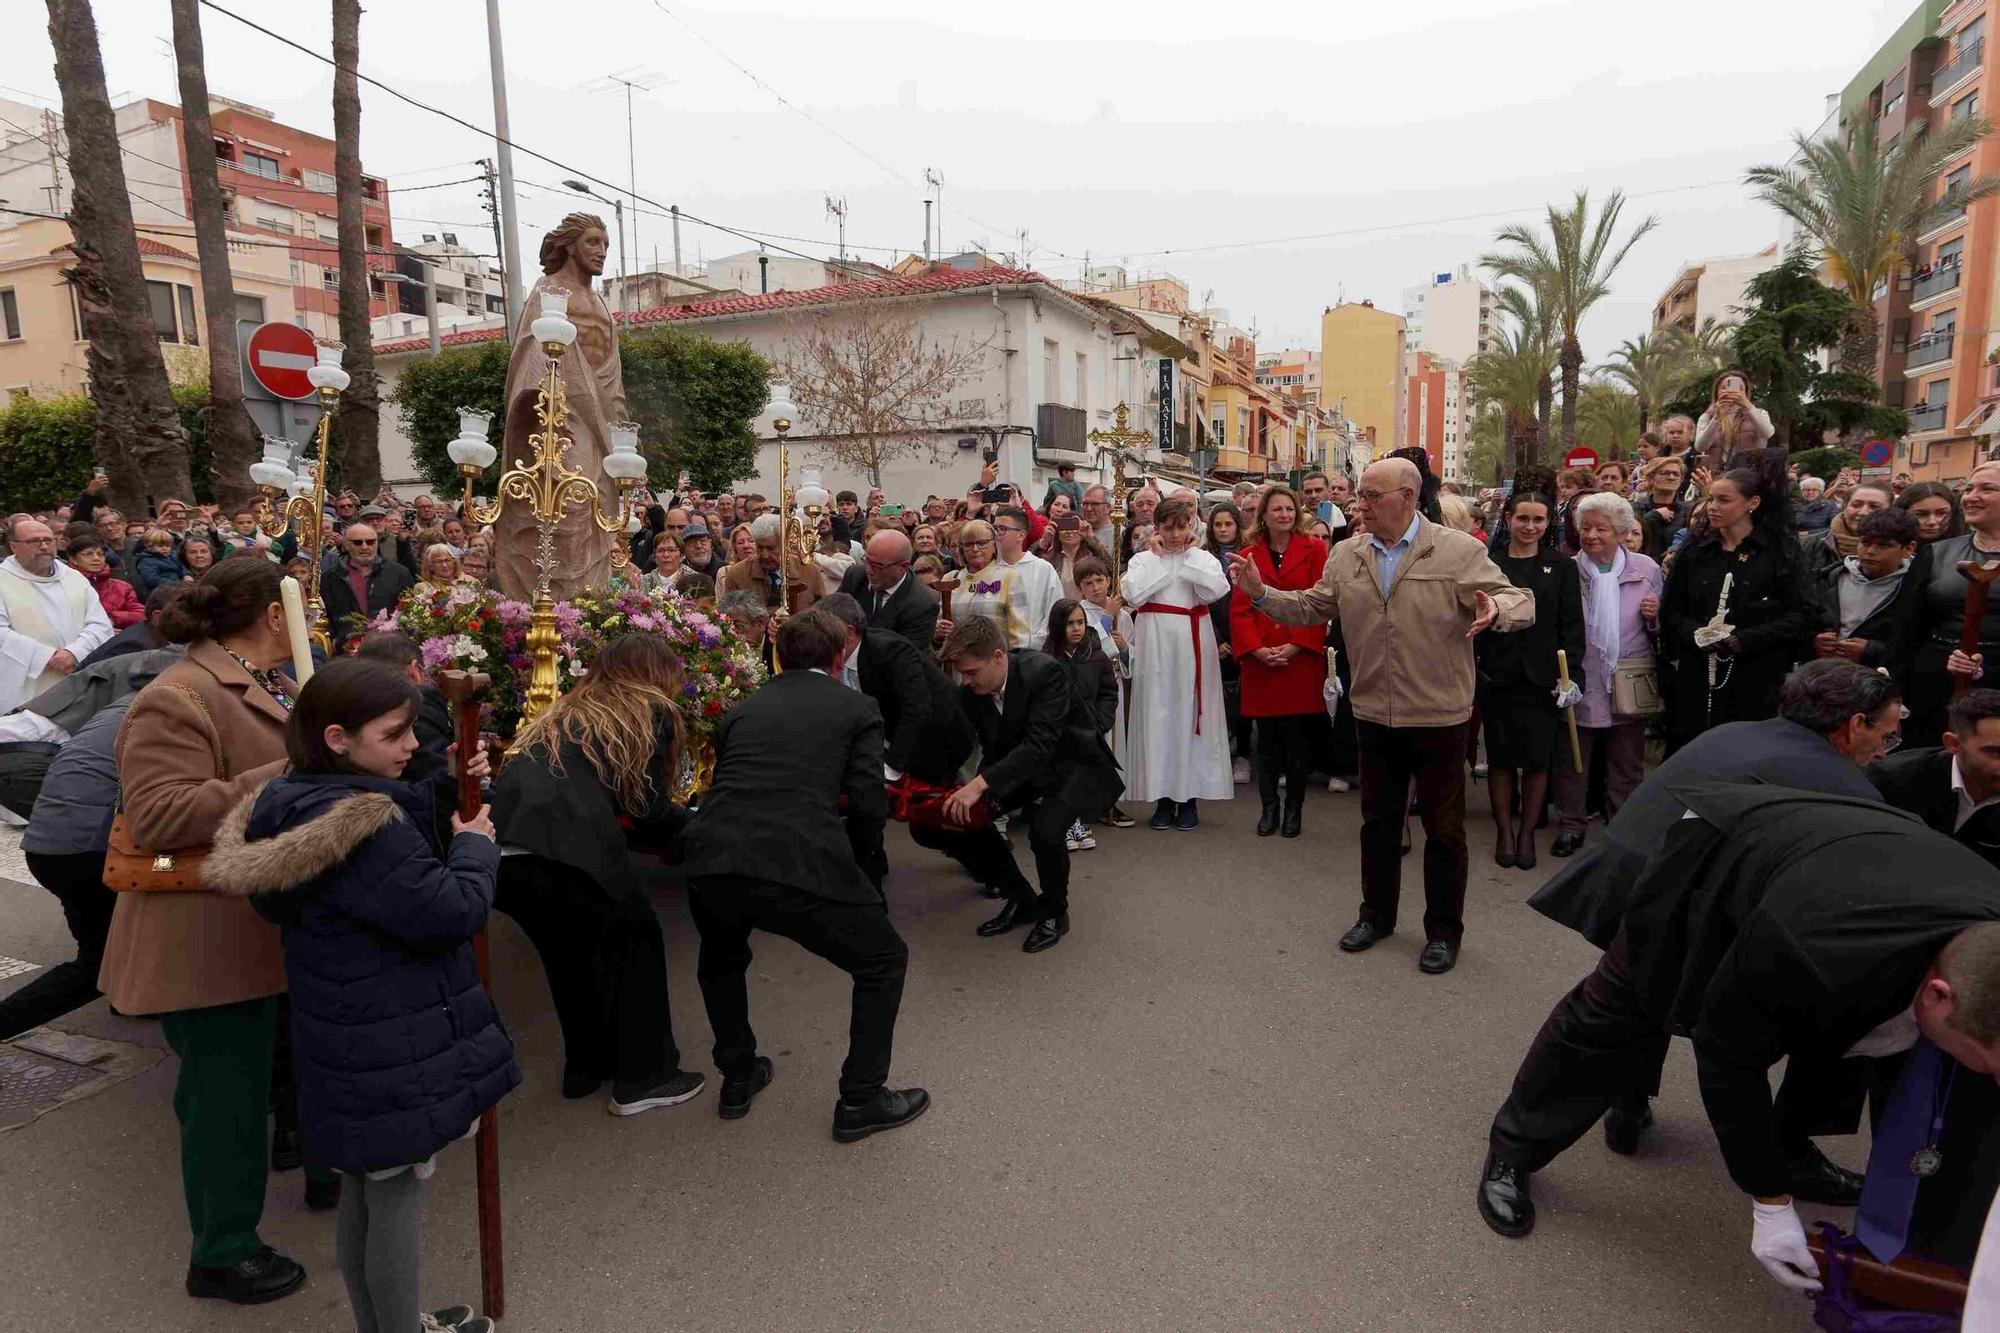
(713, 708)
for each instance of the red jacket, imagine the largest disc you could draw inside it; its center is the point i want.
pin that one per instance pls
(1296, 687)
(121, 603)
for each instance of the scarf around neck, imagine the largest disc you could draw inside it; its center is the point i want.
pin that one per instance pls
(1601, 630)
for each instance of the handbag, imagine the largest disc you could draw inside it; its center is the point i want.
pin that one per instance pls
(130, 868)
(1635, 688)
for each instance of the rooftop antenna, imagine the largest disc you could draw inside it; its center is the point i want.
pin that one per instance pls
(837, 207)
(934, 182)
(631, 80)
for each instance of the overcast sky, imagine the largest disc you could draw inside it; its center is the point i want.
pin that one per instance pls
(1151, 136)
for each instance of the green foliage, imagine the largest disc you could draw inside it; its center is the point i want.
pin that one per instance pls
(694, 399)
(44, 451)
(1826, 461)
(1608, 419)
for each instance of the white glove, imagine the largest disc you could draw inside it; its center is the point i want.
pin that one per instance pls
(1778, 1241)
(1331, 692)
(1714, 632)
(1568, 696)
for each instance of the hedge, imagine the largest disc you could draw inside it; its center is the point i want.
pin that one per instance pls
(45, 447)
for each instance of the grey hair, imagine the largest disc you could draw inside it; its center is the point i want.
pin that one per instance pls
(438, 548)
(843, 608)
(750, 605)
(1822, 695)
(766, 527)
(1614, 507)
(1812, 481)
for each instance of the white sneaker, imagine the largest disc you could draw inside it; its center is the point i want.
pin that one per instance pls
(1239, 772)
(1339, 785)
(1479, 770)
(1079, 839)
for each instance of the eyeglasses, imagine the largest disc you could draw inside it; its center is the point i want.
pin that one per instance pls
(973, 543)
(360, 541)
(1373, 497)
(998, 528)
(887, 564)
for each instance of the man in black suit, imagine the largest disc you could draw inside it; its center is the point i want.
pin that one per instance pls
(768, 851)
(1040, 754)
(1772, 923)
(361, 582)
(1834, 718)
(928, 737)
(1869, 599)
(890, 598)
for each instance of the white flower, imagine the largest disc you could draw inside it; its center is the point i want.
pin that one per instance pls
(467, 649)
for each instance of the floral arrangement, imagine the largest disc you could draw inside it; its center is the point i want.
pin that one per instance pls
(470, 628)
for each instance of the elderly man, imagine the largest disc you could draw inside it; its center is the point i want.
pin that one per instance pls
(1096, 511)
(50, 618)
(1410, 600)
(362, 582)
(889, 597)
(1819, 508)
(761, 572)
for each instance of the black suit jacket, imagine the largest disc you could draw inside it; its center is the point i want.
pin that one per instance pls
(926, 734)
(1042, 740)
(785, 760)
(1591, 894)
(1530, 654)
(911, 611)
(1919, 781)
(573, 819)
(1782, 923)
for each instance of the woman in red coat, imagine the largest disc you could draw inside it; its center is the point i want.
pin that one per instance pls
(1284, 666)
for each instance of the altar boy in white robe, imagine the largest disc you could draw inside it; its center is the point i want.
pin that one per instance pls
(1177, 736)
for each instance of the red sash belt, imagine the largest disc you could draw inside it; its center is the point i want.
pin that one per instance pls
(1195, 615)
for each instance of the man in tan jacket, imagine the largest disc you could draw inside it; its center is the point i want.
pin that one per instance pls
(1410, 598)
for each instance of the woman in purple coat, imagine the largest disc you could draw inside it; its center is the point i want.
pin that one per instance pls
(1621, 608)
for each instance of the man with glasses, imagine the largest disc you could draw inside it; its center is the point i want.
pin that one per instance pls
(50, 618)
(361, 581)
(1096, 510)
(890, 599)
(1038, 584)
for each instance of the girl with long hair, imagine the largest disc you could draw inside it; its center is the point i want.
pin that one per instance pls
(1935, 662)
(1093, 677)
(1224, 536)
(1936, 510)
(594, 777)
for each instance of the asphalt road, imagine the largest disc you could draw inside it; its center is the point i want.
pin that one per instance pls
(1192, 1114)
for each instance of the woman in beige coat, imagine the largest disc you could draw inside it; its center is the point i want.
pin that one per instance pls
(204, 734)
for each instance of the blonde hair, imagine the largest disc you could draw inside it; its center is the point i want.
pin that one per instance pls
(615, 715)
(158, 539)
(1457, 513)
(1299, 514)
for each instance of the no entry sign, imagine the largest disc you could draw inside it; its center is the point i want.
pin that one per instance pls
(1580, 457)
(278, 357)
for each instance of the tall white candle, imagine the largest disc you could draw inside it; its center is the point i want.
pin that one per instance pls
(295, 627)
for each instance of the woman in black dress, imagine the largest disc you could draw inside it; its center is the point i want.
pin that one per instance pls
(1224, 539)
(1930, 661)
(1517, 678)
(1773, 609)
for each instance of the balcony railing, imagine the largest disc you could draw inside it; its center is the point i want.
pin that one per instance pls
(1968, 60)
(1061, 427)
(1935, 283)
(1930, 351)
(1927, 416)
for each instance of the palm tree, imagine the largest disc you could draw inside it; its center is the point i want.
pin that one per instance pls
(1652, 366)
(1536, 335)
(1569, 269)
(1863, 207)
(1486, 448)
(232, 436)
(359, 422)
(138, 435)
(1511, 377)
(1610, 418)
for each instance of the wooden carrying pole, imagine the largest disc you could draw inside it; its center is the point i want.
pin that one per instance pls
(462, 690)
(1977, 577)
(1569, 714)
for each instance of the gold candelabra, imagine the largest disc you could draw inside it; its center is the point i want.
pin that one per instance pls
(800, 508)
(551, 488)
(1115, 442)
(296, 503)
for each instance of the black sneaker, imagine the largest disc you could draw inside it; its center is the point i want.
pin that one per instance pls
(452, 1316)
(885, 1110)
(737, 1093)
(264, 1276)
(680, 1086)
(1163, 814)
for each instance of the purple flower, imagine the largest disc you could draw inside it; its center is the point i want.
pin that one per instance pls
(436, 652)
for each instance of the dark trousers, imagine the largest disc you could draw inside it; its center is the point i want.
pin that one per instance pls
(986, 855)
(221, 1100)
(77, 881)
(1598, 1046)
(1622, 747)
(1434, 759)
(1284, 749)
(606, 961)
(855, 937)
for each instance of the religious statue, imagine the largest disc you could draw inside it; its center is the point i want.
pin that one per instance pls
(572, 256)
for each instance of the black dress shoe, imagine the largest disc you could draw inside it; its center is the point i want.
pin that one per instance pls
(264, 1276)
(1012, 914)
(885, 1110)
(1566, 845)
(1163, 814)
(1267, 823)
(1361, 936)
(737, 1093)
(1524, 853)
(1438, 956)
(288, 1151)
(322, 1196)
(1816, 1178)
(578, 1082)
(1503, 851)
(1627, 1119)
(1503, 1198)
(1294, 818)
(1046, 932)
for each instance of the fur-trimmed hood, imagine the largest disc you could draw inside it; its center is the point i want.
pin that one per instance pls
(292, 830)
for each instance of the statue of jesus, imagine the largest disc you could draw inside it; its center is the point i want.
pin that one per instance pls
(572, 256)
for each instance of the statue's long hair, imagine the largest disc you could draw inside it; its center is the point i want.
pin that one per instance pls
(555, 245)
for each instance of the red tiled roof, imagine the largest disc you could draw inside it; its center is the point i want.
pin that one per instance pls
(947, 280)
(147, 246)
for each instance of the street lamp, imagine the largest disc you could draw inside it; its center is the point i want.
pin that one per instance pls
(617, 211)
(295, 501)
(430, 296)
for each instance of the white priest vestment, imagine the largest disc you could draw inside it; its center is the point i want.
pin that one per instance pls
(1177, 738)
(38, 617)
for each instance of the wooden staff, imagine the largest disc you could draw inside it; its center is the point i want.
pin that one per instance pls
(462, 690)
(1569, 714)
(1977, 577)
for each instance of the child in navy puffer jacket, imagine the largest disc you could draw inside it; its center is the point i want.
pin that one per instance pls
(398, 1048)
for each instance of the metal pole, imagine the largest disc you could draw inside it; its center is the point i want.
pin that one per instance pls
(499, 246)
(431, 305)
(927, 230)
(675, 209)
(631, 175)
(624, 272)
(510, 225)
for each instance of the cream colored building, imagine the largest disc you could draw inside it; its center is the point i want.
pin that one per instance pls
(1361, 370)
(42, 351)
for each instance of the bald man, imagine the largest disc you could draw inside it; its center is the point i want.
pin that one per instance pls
(361, 582)
(1410, 599)
(892, 600)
